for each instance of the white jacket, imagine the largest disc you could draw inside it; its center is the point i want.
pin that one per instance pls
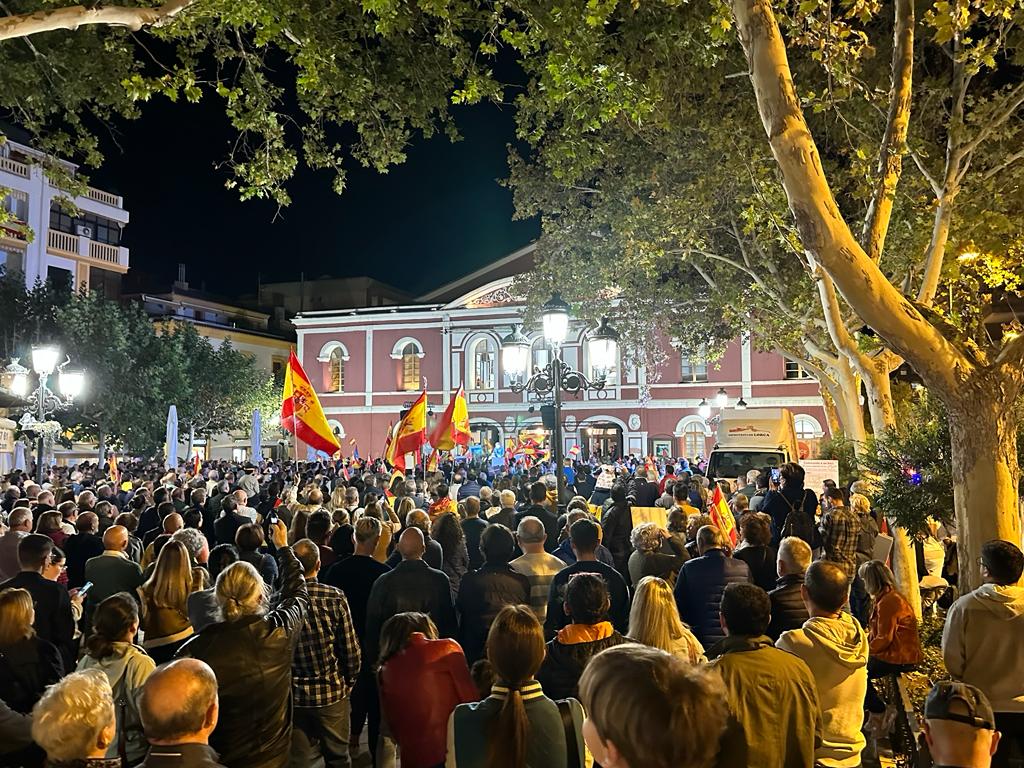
(836, 651)
(983, 644)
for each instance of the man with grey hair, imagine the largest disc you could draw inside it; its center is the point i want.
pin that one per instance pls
(788, 609)
(703, 580)
(538, 566)
(324, 669)
(179, 710)
(506, 510)
(74, 721)
(750, 488)
(433, 554)
(196, 544)
(20, 526)
(355, 576)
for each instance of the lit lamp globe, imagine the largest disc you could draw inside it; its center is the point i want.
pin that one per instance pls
(603, 347)
(44, 359)
(71, 383)
(721, 398)
(19, 384)
(555, 318)
(704, 409)
(515, 353)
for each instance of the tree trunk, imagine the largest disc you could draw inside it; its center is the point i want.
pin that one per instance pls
(848, 404)
(875, 374)
(101, 448)
(983, 431)
(904, 568)
(831, 413)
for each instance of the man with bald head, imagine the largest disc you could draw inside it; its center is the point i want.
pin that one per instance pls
(179, 710)
(411, 585)
(171, 524)
(111, 572)
(433, 555)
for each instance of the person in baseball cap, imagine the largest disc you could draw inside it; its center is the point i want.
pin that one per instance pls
(959, 726)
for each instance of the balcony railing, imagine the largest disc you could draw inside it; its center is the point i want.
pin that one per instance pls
(13, 166)
(103, 197)
(63, 242)
(103, 252)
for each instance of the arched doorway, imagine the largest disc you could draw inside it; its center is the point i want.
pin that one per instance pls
(485, 434)
(603, 438)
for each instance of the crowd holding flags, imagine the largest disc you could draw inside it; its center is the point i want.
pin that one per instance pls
(301, 413)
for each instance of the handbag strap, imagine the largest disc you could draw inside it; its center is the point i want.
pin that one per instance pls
(572, 747)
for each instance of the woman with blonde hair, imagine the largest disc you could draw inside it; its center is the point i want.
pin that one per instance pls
(388, 527)
(337, 500)
(27, 663)
(250, 652)
(164, 602)
(74, 721)
(654, 621)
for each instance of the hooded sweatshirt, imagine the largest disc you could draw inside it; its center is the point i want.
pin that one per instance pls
(836, 651)
(126, 670)
(983, 644)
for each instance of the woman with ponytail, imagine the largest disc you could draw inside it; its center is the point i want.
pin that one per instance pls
(111, 650)
(517, 726)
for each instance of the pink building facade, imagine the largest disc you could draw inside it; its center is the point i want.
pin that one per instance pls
(368, 364)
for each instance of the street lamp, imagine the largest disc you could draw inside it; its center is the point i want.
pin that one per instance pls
(556, 376)
(741, 405)
(70, 383)
(704, 409)
(16, 377)
(721, 398)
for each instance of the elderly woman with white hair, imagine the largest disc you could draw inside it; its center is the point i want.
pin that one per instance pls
(656, 552)
(74, 722)
(250, 652)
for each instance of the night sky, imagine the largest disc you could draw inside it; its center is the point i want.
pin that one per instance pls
(440, 214)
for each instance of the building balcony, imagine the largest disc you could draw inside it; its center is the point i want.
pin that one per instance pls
(14, 167)
(112, 257)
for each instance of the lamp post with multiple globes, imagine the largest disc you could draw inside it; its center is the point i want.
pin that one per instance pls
(69, 382)
(556, 377)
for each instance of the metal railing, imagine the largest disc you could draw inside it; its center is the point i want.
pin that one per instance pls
(103, 197)
(103, 252)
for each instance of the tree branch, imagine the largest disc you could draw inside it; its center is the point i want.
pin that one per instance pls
(890, 154)
(823, 230)
(75, 16)
(1010, 160)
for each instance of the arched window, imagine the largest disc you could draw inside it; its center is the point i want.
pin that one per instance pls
(337, 364)
(483, 361)
(807, 427)
(410, 367)
(694, 439)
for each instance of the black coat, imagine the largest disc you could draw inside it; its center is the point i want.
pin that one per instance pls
(617, 523)
(26, 668)
(78, 549)
(618, 615)
(355, 576)
(483, 593)
(54, 622)
(788, 609)
(644, 492)
(411, 585)
(563, 665)
(546, 516)
(777, 506)
(227, 526)
(252, 659)
(761, 561)
(699, 589)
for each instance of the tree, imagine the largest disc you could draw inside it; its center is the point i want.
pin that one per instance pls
(131, 374)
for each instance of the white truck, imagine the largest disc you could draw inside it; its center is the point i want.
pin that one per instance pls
(759, 438)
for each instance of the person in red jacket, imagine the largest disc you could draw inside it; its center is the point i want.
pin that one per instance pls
(422, 679)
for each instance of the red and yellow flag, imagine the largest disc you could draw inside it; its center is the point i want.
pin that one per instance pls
(115, 475)
(301, 413)
(410, 433)
(432, 461)
(453, 427)
(721, 515)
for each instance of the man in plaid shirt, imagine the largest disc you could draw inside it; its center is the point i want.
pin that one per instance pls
(840, 527)
(324, 669)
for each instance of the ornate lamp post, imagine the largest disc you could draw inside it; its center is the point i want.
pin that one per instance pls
(557, 376)
(70, 383)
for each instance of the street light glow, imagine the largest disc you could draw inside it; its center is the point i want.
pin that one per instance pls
(603, 347)
(704, 409)
(555, 317)
(44, 359)
(515, 353)
(721, 398)
(71, 383)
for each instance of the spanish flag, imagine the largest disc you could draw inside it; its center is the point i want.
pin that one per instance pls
(115, 475)
(301, 413)
(410, 433)
(432, 462)
(453, 427)
(721, 515)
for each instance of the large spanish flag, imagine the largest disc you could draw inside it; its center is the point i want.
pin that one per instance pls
(721, 515)
(453, 427)
(301, 413)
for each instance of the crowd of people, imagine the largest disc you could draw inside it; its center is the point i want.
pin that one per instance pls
(280, 614)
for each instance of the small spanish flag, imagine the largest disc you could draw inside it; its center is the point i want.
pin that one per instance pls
(721, 515)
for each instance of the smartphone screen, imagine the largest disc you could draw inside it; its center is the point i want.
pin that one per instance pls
(85, 588)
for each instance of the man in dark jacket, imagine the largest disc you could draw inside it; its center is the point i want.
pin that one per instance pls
(788, 609)
(584, 482)
(642, 491)
(794, 502)
(537, 508)
(251, 655)
(412, 585)
(81, 547)
(586, 604)
(53, 620)
(473, 528)
(433, 554)
(485, 592)
(470, 488)
(227, 525)
(585, 536)
(702, 581)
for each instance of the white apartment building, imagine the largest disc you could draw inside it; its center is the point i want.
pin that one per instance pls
(79, 248)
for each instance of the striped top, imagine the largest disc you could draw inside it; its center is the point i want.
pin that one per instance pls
(540, 570)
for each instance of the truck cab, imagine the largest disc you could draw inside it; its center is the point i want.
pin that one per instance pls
(758, 438)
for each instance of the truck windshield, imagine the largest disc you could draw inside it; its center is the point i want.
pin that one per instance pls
(729, 465)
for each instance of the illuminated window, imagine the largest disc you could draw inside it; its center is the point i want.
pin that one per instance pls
(410, 368)
(693, 370)
(693, 439)
(337, 371)
(483, 357)
(806, 428)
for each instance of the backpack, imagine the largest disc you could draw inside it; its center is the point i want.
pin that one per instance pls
(798, 523)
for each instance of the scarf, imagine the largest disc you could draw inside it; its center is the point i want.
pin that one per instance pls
(585, 633)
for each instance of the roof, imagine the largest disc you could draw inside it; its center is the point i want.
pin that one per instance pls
(514, 264)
